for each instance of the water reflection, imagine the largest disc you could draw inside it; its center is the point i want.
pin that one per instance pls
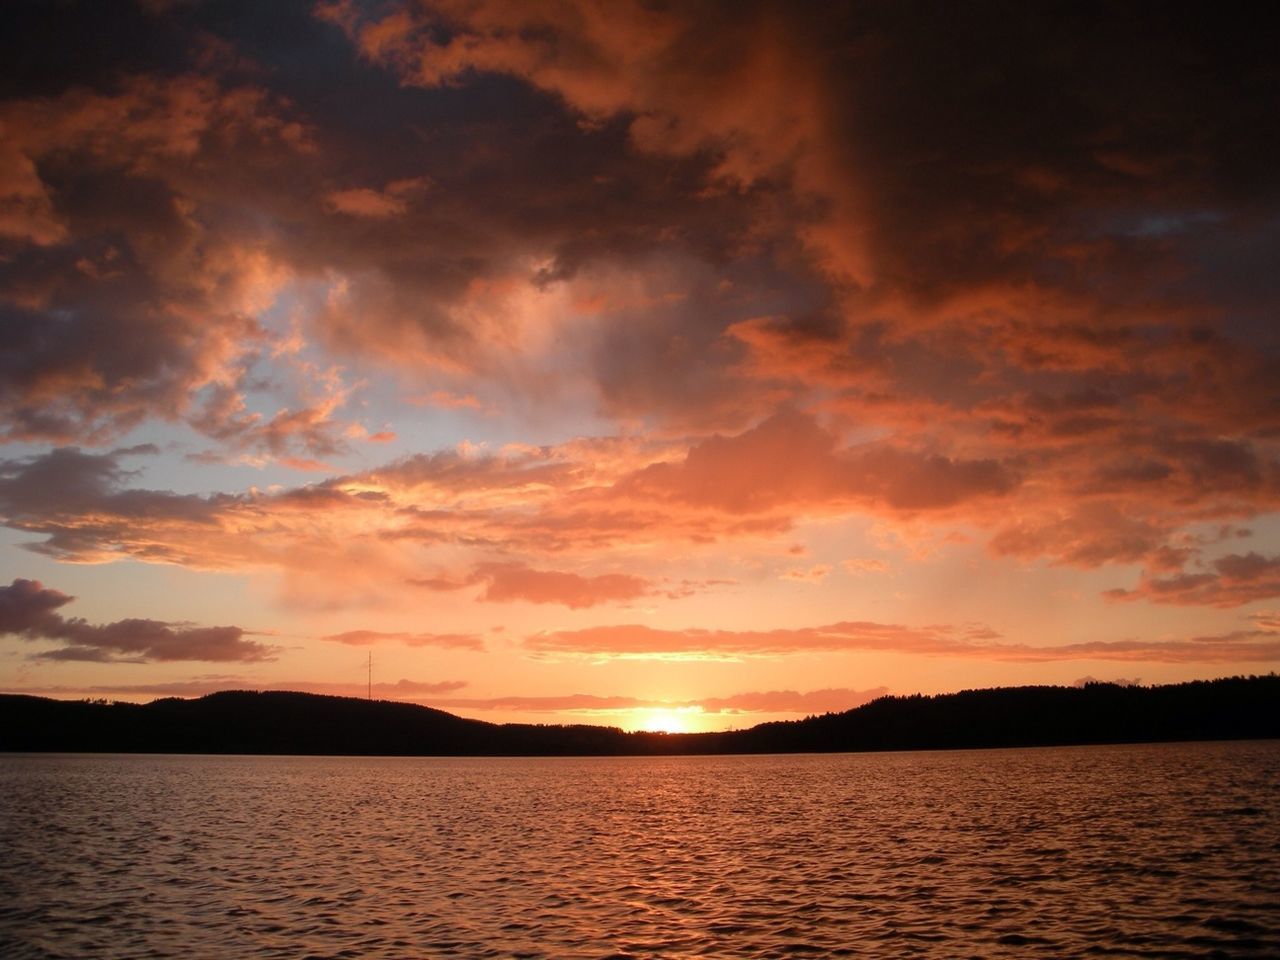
(1144, 850)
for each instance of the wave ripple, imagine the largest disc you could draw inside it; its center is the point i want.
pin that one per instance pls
(1140, 851)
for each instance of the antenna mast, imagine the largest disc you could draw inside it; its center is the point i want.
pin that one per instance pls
(370, 674)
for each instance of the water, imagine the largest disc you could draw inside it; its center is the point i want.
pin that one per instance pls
(1170, 851)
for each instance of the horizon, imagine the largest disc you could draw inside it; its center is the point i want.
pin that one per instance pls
(1225, 709)
(658, 729)
(666, 369)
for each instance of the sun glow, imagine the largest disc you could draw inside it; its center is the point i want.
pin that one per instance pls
(663, 720)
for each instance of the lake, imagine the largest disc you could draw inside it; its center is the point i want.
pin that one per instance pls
(1155, 850)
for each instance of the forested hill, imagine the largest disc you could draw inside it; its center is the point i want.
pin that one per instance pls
(300, 723)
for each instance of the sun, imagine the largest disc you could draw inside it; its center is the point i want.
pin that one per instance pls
(661, 720)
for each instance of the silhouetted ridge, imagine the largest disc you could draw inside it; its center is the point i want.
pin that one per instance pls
(237, 721)
(1233, 708)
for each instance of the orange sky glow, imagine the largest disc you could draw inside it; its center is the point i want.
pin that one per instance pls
(669, 367)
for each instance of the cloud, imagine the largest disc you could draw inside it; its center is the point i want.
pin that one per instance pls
(1119, 681)
(635, 640)
(28, 609)
(789, 461)
(588, 496)
(121, 300)
(508, 582)
(861, 566)
(775, 701)
(834, 700)
(1267, 620)
(413, 691)
(814, 574)
(293, 436)
(1088, 536)
(367, 202)
(1237, 579)
(803, 284)
(1060, 291)
(971, 642)
(364, 638)
(77, 501)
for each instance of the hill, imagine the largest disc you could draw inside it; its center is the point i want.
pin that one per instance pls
(301, 723)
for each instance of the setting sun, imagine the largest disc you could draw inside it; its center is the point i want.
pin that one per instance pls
(673, 720)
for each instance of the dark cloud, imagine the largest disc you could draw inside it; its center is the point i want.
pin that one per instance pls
(1235, 579)
(1017, 190)
(1030, 250)
(162, 202)
(28, 609)
(125, 286)
(79, 503)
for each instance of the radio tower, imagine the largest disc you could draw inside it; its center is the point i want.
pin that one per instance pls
(370, 674)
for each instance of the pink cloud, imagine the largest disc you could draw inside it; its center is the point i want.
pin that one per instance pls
(364, 638)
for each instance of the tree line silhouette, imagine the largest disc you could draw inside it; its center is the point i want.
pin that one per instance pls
(239, 721)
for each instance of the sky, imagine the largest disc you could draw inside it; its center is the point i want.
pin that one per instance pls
(671, 366)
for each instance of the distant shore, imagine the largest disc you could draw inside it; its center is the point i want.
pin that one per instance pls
(246, 722)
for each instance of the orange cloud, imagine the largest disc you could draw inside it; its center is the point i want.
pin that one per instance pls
(364, 638)
(814, 574)
(377, 204)
(970, 642)
(860, 566)
(530, 500)
(363, 202)
(505, 582)
(635, 640)
(789, 462)
(590, 496)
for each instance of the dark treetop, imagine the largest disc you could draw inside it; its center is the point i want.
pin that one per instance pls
(238, 721)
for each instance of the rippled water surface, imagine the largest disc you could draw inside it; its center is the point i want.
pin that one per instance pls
(1170, 850)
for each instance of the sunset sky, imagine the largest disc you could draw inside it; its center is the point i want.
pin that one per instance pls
(674, 366)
